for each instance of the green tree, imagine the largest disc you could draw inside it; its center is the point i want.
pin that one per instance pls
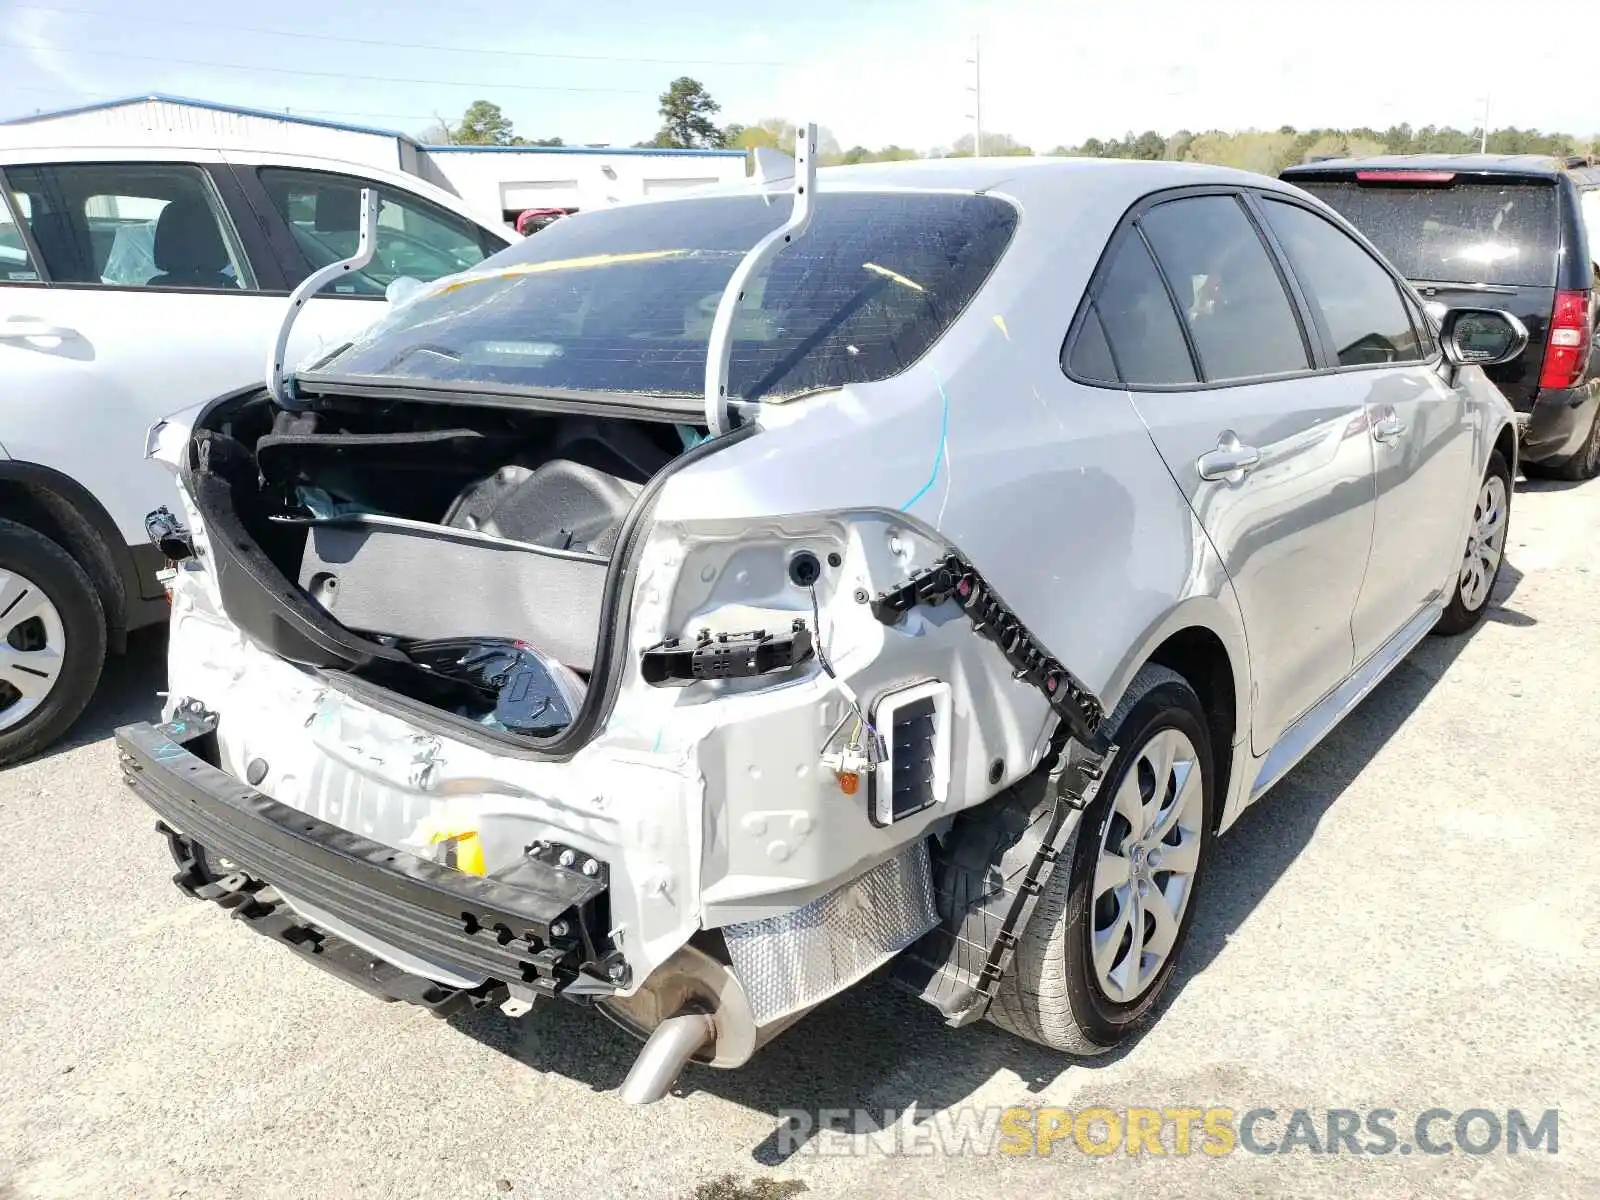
(995, 145)
(890, 153)
(686, 112)
(437, 134)
(1149, 146)
(1397, 138)
(757, 136)
(774, 133)
(1269, 151)
(483, 124)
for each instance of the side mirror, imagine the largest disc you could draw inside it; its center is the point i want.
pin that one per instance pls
(1481, 337)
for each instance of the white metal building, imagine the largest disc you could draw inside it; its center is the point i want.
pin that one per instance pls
(504, 179)
(514, 178)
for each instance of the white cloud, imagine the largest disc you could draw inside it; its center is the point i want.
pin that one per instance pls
(1055, 72)
(40, 32)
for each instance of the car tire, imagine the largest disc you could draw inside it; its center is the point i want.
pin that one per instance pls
(1485, 551)
(1585, 463)
(52, 611)
(1055, 994)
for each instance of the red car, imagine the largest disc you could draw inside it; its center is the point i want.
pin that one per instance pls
(535, 219)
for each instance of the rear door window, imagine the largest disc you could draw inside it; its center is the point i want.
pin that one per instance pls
(622, 299)
(1359, 300)
(1483, 230)
(1228, 289)
(416, 239)
(131, 225)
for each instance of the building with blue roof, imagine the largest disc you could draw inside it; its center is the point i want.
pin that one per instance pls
(507, 179)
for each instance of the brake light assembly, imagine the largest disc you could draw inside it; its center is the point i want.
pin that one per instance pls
(1566, 351)
(1412, 177)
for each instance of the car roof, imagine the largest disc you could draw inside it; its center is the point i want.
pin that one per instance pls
(982, 174)
(163, 152)
(1030, 180)
(1541, 165)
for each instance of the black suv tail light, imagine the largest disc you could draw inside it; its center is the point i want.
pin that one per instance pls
(1566, 352)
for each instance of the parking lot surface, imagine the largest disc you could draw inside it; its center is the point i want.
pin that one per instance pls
(1407, 923)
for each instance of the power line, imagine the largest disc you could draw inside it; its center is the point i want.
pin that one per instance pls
(480, 84)
(319, 37)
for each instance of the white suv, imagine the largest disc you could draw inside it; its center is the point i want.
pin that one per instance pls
(134, 282)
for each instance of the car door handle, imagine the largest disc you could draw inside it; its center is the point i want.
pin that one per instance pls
(19, 328)
(1390, 429)
(1229, 461)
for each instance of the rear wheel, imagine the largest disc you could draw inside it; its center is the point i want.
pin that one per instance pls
(1101, 945)
(1585, 464)
(1485, 552)
(52, 641)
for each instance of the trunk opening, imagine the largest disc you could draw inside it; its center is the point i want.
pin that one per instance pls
(473, 561)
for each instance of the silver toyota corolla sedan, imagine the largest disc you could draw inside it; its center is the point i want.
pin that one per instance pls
(714, 599)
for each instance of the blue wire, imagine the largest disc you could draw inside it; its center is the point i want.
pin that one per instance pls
(944, 437)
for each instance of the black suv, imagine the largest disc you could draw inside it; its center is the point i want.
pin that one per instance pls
(1501, 230)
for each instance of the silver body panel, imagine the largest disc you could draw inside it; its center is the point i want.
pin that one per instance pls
(1081, 505)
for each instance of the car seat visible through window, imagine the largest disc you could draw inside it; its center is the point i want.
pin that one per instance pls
(189, 249)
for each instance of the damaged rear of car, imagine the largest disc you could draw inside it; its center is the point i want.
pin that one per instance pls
(690, 630)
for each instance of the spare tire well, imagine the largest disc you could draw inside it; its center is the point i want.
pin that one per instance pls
(1200, 657)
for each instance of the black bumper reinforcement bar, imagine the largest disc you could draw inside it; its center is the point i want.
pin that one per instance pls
(536, 927)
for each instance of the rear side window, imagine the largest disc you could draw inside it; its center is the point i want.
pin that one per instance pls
(16, 263)
(1468, 231)
(1590, 207)
(622, 299)
(1359, 300)
(1091, 353)
(1235, 304)
(1139, 322)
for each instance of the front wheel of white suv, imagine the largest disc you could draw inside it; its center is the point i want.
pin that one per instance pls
(1100, 948)
(1485, 551)
(52, 641)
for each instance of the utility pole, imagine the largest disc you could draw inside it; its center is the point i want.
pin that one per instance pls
(1483, 141)
(977, 96)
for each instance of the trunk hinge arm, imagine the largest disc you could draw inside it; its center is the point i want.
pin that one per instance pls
(281, 386)
(719, 406)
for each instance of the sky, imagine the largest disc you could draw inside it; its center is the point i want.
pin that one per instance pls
(1052, 72)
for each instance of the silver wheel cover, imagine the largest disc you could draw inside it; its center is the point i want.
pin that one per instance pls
(1144, 874)
(33, 647)
(1486, 542)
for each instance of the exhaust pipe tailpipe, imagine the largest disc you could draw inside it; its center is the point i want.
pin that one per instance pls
(669, 1049)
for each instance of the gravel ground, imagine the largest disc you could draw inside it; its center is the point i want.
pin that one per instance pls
(1400, 925)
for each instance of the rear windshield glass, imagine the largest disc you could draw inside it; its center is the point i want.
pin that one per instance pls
(1474, 232)
(621, 300)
